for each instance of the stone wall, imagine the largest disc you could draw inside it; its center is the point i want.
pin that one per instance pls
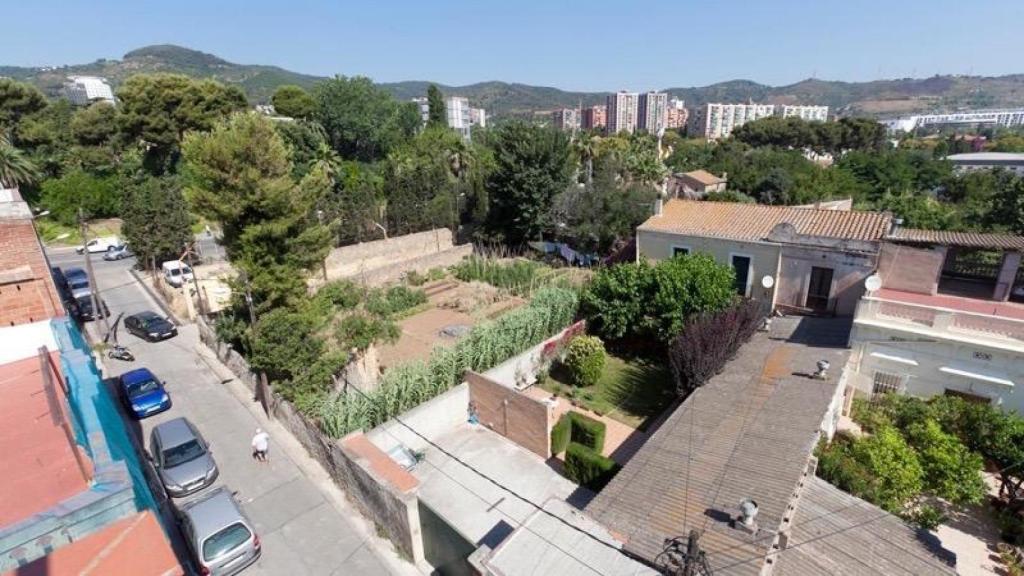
(397, 270)
(516, 416)
(358, 260)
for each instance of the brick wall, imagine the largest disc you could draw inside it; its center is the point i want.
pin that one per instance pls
(910, 269)
(27, 291)
(515, 416)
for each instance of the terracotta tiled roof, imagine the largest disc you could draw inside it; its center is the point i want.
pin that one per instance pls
(738, 221)
(704, 177)
(961, 239)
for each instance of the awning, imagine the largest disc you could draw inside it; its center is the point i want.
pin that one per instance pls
(894, 358)
(977, 376)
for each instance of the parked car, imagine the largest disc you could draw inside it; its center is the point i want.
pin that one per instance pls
(78, 287)
(81, 308)
(119, 252)
(182, 458)
(219, 535)
(176, 272)
(99, 245)
(142, 393)
(150, 326)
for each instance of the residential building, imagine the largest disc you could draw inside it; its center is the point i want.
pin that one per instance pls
(814, 113)
(675, 117)
(424, 107)
(622, 112)
(478, 117)
(714, 121)
(458, 115)
(944, 315)
(1006, 118)
(84, 90)
(795, 259)
(566, 119)
(594, 118)
(694, 185)
(652, 112)
(746, 439)
(971, 161)
(27, 290)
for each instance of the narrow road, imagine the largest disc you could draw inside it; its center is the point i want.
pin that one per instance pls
(303, 530)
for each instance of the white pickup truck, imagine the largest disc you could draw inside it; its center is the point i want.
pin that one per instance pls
(101, 244)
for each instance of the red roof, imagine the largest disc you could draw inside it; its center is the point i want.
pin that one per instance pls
(42, 466)
(134, 545)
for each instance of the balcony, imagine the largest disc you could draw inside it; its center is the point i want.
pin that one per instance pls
(983, 322)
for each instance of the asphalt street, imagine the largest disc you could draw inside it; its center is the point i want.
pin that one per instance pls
(302, 530)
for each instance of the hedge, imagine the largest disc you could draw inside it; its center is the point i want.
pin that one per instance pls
(560, 433)
(585, 360)
(586, 431)
(708, 341)
(588, 468)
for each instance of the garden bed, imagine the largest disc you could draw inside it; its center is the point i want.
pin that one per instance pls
(631, 390)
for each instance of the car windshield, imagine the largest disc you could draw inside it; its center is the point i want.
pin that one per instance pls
(148, 321)
(187, 452)
(79, 283)
(139, 388)
(175, 272)
(225, 541)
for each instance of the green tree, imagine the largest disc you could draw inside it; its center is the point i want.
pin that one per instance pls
(1008, 207)
(584, 145)
(285, 344)
(240, 176)
(292, 101)
(892, 468)
(45, 136)
(94, 131)
(531, 167)
(98, 196)
(307, 141)
(17, 100)
(423, 179)
(363, 122)
(155, 219)
(951, 471)
(15, 168)
(437, 114)
(920, 211)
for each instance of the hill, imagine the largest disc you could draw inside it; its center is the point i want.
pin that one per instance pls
(502, 99)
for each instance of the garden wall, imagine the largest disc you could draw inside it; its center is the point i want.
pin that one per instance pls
(520, 371)
(369, 262)
(516, 416)
(432, 418)
(375, 484)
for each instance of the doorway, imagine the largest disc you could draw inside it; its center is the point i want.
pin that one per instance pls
(819, 289)
(741, 265)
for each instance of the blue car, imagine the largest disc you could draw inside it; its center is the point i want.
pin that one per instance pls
(143, 394)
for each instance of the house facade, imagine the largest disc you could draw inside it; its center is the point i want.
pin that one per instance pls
(945, 316)
(799, 259)
(695, 185)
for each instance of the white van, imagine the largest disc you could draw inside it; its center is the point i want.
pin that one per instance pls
(100, 245)
(176, 272)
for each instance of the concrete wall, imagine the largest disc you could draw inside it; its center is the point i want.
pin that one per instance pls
(911, 269)
(357, 259)
(516, 416)
(886, 350)
(520, 371)
(764, 257)
(849, 269)
(431, 419)
(421, 264)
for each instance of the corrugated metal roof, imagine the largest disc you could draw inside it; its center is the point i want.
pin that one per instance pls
(737, 221)
(960, 239)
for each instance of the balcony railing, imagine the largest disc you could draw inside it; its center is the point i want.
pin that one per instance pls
(938, 319)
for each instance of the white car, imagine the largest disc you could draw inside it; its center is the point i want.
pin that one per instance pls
(176, 272)
(97, 245)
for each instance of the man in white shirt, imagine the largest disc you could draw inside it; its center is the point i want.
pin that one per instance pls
(260, 445)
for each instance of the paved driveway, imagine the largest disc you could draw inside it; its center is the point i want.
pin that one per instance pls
(302, 529)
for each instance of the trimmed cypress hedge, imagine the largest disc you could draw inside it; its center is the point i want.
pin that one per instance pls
(586, 431)
(588, 468)
(560, 434)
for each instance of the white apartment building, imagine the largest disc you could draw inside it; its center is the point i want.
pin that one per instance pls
(458, 114)
(424, 107)
(652, 112)
(714, 121)
(815, 113)
(84, 90)
(566, 119)
(622, 112)
(478, 117)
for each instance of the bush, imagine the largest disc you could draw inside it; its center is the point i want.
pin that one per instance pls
(359, 331)
(560, 433)
(340, 294)
(585, 359)
(709, 341)
(394, 300)
(880, 468)
(586, 431)
(951, 471)
(98, 196)
(518, 276)
(284, 344)
(926, 517)
(588, 468)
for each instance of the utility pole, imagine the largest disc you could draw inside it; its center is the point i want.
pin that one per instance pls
(94, 289)
(261, 381)
(689, 562)
(323, 261)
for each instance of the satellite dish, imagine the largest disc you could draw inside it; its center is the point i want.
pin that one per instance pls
(767, 281)
(873, 283)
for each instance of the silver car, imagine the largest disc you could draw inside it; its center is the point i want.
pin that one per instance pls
(181, 457)
(119, 252)
(221, 538)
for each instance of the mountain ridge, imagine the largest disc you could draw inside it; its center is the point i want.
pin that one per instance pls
(505, 99)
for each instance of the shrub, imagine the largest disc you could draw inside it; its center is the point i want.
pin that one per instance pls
(585, 359)
(560, 434)
(951, 471)
(340, 294)
(588, 468)
(926, 517)
(394, 300)
(359, 331)
(284, 344)
(709, 341)
(518, 276)
(414, 278)
(894, 472)
(586, 431)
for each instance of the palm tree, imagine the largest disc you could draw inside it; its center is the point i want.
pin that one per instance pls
(15, 168)
(585, 145)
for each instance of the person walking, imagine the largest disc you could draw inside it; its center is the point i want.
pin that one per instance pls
(260, 445)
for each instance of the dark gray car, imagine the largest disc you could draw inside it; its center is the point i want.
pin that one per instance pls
(181, 457)
(220, 536)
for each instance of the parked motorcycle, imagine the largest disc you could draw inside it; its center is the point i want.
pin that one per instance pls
(118, 352)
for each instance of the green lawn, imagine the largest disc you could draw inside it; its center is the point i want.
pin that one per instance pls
(631, 390)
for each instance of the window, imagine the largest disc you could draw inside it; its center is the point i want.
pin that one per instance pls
(225, 541)
(886, 382)
(680, 251)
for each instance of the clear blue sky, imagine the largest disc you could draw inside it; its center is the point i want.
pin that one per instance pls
(595, 45)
